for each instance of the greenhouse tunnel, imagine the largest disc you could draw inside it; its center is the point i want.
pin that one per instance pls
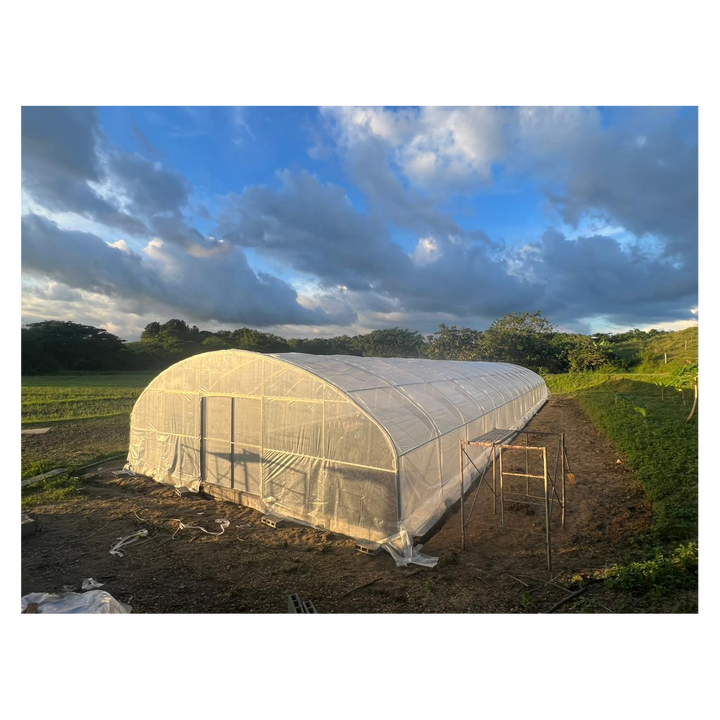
(362, 446)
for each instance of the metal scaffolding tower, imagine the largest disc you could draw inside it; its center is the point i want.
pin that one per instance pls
(553, 483)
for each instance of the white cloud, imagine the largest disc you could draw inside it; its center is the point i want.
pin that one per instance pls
(331, 262)
(434, 147)
(427, 251)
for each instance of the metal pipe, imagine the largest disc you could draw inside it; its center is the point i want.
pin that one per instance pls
(462, 495)
(232, 443)
(562, 463)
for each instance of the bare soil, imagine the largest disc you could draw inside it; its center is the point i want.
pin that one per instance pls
(253, 568)
(77, 442)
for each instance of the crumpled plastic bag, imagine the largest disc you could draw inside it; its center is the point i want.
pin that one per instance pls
(404, 553)
(91, 584)
(97, 602)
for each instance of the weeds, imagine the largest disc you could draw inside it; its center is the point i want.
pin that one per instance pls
(51, 491)
(659, 578)
(661, 448)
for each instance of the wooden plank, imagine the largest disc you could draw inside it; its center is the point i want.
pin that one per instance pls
(34, 431)
(38, 478)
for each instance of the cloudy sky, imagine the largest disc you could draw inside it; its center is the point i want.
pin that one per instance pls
(321, 221)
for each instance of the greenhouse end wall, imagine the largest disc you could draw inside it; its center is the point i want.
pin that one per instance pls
(365, 447)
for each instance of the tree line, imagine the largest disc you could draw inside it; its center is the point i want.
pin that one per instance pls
(526, 339)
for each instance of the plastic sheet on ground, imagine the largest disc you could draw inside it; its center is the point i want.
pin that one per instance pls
(94, 602)
(404, 553)
(91, 584)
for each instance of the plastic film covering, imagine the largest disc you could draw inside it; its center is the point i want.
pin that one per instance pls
(368, 447)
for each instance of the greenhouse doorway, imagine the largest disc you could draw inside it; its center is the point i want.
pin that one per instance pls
(231, 456)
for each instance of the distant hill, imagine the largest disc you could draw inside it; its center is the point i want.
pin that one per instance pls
(648, 354)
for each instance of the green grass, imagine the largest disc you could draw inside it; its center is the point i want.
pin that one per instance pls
(66, 397)
(573, 382)
(649, 355)
(74, 445)
(659, 577)
(660, 445)
(661, 448)
(90, 379)
(652, 432)
(88, 415)
(667, 582)
(51, 491)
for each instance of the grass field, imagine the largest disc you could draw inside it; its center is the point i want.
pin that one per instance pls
(88, 415)
(649, 355)
(61, 398)
(648, 423)
(649, 426)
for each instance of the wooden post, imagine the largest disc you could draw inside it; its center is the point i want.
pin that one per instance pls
(495, 488)
(527, 465)
(502, 494)
(547, 510)
(694, 407)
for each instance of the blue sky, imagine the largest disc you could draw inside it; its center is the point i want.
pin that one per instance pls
(320, 221)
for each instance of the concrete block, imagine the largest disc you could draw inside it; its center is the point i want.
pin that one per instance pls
(367, 547)
(273, 521)
(310, 608)
(295, 605)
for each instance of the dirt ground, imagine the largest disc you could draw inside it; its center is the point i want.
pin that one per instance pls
(253, 568)
(77, 442)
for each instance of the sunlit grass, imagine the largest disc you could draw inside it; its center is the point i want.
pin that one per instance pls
(55, 398)
(52, 490)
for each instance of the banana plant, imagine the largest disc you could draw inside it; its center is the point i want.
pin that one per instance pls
(662, 384)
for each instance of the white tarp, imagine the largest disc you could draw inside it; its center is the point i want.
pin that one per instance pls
(366, 447)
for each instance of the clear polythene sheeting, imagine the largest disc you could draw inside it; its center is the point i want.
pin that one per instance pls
(367, 447)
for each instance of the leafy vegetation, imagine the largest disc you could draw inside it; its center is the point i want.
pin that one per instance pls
(646, 417)
(564, 383)
(587, 354)
(660, 446)
(659, 577)
(522, 338)
(644, 352)
(61, 345)
(391, 342)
